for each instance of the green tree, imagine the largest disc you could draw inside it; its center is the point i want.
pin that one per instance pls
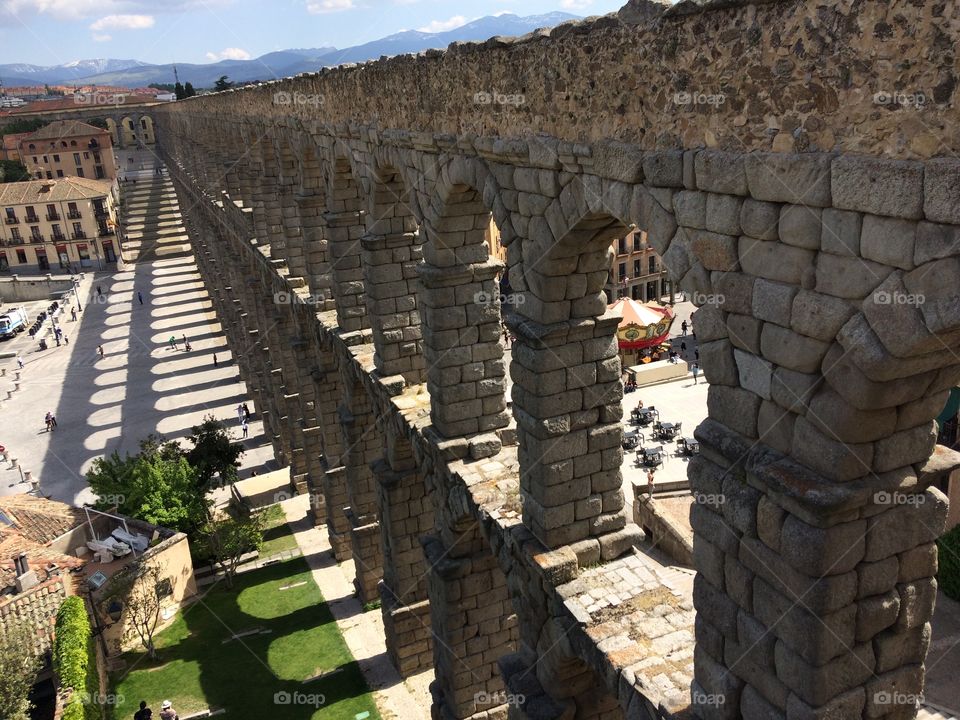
(222, 84)
(167, 87)
(22, 126)
(188, 90)
(214, 455)
(179, 91)
(13, 171)
(157, 485)
(18, 669)
(226, 539)
(98, 122)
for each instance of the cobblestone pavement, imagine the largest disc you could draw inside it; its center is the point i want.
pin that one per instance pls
(140, 385)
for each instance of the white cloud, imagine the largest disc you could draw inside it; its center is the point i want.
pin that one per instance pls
(101, 38)
(321, 7)
(123, 22)
(444, 25)
(229, 54)
(575, 4)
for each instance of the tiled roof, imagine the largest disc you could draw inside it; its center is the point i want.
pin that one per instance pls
(39, 558)
(38, 519)
(45, 191)
(69, 103)
(64, 129)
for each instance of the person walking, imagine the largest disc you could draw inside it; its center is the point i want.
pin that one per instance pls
(241, 416)
(56, 336)
(185, 343)
(246, 411)
(167, 712)
(696, 372)
(140, 297)
(144, 713)
(99, 291)
(73, 314)
(19, 361)
(683, 327)
(48, 420)
(683, 348)
(215, 360)
(100, 350)
(246, 429)
(650, 482)
(173, 343)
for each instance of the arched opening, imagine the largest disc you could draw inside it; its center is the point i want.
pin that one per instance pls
(466, 372)
(345, 228)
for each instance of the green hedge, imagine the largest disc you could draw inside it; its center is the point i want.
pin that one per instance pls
(74, 660)
(948, 576)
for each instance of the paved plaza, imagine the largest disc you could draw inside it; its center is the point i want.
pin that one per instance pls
(141, 385)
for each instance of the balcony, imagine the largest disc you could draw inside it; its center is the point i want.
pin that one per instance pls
(99, 210)
(106, 232)
(12, 242)
(53, 216)
(36, 238)
(80, 235)
(74, 214)
(12, 220)
(32, 219)
(58, 237)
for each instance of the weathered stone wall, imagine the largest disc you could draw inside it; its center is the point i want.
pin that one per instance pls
(873, 77)
(827, 286)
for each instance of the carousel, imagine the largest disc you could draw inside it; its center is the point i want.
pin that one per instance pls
(643, 331)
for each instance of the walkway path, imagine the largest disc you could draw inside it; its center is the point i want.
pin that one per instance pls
(363, 631)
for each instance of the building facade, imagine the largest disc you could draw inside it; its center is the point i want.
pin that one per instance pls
(68, 225)
(69, 148)
(637, 271)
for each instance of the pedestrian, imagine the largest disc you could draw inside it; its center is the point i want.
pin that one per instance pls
(650, 482)
(53, 419)
(144, 713)
(66, 340)
(99, 291)
(73, 314)
(246, 411)
(173, 343)
(240, 414)
(19, 361)
(683, 327)
(696, 371)
(246, 429)
(696, 354)
(215, 360)
(185, 341)
(167, 712)
(100, 350)
(140, 297)
(48, 420)
(683, 348)
(56, 336)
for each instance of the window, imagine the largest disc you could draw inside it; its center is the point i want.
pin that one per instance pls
(32, 146)
(94, 143)
(11, 214)
(15, 234)
(652, 264)
(622, 246)
(636, 268)
(4, 264)
(77, 229)
(143, 123)
(73, 143)
(636, 242)
(56, 158)
(59, 173)
(76, 158)
(21, 256)
(35, 233)
(96, 157)
(34, 159)
(31, 214)
(49, 175)
(63, 143)
(130, 123)
(45, 161)
(57, 232)
(622, 272)
(79, 172)
(165, 588)
(99, 172)
(86, 156)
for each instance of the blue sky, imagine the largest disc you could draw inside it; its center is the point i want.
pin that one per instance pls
(51, 32)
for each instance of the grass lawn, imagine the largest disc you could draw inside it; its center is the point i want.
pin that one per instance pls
(252, 676)
(276, 533)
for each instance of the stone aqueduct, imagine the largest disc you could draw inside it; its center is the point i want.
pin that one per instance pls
(339, 220)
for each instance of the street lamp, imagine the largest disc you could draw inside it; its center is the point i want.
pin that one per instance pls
(76, 293)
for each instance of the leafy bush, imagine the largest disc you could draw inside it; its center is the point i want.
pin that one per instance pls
(73, 660)
(948, 575)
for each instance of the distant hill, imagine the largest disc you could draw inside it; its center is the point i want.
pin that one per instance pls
(282, 63)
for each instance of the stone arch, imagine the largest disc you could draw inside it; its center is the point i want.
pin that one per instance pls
(466, 375)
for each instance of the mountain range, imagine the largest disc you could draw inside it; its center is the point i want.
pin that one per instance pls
(282, 63)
